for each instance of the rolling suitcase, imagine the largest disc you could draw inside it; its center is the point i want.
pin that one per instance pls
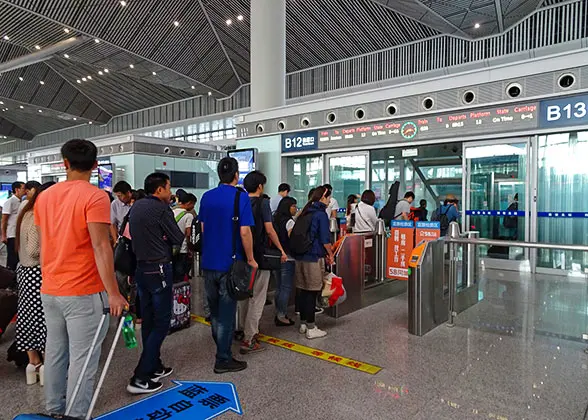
(8, 307)
(79, 382)
(181, 315)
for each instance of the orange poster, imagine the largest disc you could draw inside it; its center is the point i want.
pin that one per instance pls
(427, 231)
(400, 245)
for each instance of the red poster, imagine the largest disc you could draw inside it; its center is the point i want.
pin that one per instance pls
(400, 245)
(427, 231)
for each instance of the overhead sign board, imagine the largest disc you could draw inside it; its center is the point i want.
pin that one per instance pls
(564, 112)
(297, 142)
(447, 125)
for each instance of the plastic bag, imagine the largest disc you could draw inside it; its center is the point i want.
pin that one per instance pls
(333, 291)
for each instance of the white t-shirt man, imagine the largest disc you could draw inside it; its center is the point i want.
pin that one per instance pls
(11, 207)
(184, 223)
(333, 205)
(402, 207)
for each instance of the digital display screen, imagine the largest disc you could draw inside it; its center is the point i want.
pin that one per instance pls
(105, 177)
(463, 123)
(3, 197)
(6, 187)
(246, 160)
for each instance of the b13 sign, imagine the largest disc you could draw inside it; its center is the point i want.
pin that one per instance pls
(296, 142)
(564, 112)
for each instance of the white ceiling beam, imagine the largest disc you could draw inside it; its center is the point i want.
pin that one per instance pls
(499, 15)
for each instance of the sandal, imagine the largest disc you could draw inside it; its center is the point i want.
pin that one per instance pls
(280, 323)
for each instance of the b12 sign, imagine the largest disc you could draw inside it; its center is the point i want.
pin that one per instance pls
(564, 112)
(296, 142)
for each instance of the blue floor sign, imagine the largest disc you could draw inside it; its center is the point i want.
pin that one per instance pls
(188, 400)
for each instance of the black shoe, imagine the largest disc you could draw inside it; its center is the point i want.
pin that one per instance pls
(161, 373)
(280, 323)
(232, 366)
(268, 302)
(239, 336)
(138, 386)
(207, 319)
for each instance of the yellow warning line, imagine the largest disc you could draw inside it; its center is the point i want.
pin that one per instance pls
(309, 351)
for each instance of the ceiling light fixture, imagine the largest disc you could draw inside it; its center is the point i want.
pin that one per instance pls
(90, 122)
(21, 79)
(89, 77)
(132, 66)
(6, 38)
(40, 110)
(65, 55)
(240, 17)
(229, 21)
(100, 73)
(193, 87)
(1, 103)
(105, 70)
(37, 47)
(66, 30)
(209, 93)
(176, 23)
(42, 82)
(79, 81)
(96, 40)
(155, 74)
(21, 107)
(74, 118)
(123, 3)
(477, 26)
(84, 79)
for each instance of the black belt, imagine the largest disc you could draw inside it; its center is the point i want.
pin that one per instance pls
(160, 261)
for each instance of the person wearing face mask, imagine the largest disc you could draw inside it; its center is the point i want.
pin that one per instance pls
(310, 242)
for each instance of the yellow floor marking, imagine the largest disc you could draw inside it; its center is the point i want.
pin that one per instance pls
(309, 351)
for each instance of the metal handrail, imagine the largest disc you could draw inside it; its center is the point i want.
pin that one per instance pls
(521, 244)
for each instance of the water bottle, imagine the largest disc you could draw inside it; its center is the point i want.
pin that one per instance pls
(128, 332)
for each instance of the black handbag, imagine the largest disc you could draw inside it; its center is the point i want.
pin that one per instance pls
(241, 276)
(271, 259)
(125, 261)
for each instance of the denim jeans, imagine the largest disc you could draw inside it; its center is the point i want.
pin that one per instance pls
(222, 314)
(284, 286)
(155, 289)
(72, 322)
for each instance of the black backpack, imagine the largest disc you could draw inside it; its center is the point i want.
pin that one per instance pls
(442, 219)
(300, 237)
(195, 243)
(260, 238)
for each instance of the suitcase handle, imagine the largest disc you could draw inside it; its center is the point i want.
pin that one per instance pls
(105, 313)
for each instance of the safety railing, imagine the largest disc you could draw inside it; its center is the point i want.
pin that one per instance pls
(548, 26)
(454, 239)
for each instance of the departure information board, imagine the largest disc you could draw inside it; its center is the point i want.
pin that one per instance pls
(441, 126)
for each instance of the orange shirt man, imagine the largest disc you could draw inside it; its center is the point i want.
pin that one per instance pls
(78, 278)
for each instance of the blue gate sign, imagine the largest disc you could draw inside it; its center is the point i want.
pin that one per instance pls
(187, 400)
(564, 112)
(296, 142)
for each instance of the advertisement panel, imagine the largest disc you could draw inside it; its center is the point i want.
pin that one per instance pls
(427, 231)
(400, 245)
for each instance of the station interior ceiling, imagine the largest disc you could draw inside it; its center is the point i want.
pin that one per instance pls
(134, 54)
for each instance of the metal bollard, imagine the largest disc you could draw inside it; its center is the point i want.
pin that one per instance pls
(380, 248)
(334, 228)
(453, 233)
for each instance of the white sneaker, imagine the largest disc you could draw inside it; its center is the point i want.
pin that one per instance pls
(315, 333)
(42, 375)
(32, 374)
(303, 329)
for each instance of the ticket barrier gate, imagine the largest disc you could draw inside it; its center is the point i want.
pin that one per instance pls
(428, 297)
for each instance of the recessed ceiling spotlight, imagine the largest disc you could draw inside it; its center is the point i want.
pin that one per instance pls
(74, 118)
(240, 17)
(66, 30)
(1, 103)
(229, 21)
(6, 38)
(84, 79)
(40, 110)
(37, 47)
(105, 70)
(155, 74)
(90, 122)
(176, 23)
(65, 55)
(477, 26)
(21, 107)
(96, 40)
(89, 77)
(100, 73)
(20, 78)
(42, 82)
(79, 81)
(209, 93)
(132, 66)
(123, 3)
(193, 87)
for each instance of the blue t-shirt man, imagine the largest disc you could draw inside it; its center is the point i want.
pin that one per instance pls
(216, 215)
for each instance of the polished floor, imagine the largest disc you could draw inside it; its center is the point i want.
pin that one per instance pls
(500, 361)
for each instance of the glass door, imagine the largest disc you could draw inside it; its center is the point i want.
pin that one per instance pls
(497, 203)
(348, 174)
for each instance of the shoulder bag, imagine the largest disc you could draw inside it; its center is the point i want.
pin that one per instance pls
(125, 261)
(241, 276)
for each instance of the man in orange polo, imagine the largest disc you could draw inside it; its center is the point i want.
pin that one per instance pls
(78, 277)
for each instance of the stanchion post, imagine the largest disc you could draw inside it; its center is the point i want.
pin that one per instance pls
(452, 234)
(380, 250)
